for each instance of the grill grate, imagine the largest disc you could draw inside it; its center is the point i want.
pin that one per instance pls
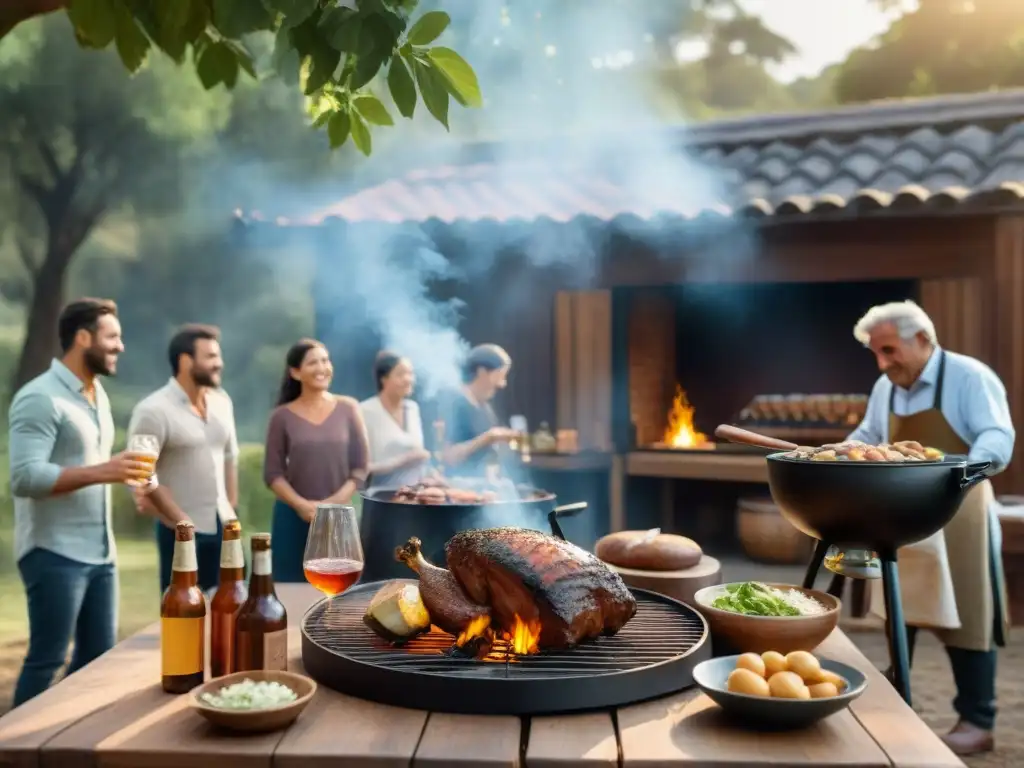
(338, 645)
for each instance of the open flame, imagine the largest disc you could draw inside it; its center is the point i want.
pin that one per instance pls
(476, 629)
(524, 636)
(681, 432)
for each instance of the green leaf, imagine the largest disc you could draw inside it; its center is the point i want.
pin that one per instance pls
(402, 88)
(376, 43)
(217, 64)
(435, 94)
(361, 135)
(172, 15)
(94, 21)
(429, 27)
(340, 27)
(132, 45)
(373, 109)
(234, 18)
(338, 128)
(460, 79)
(294, 11)
(323, 61)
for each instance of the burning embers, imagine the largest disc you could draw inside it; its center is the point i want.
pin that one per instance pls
(482, 641)
(681, 433)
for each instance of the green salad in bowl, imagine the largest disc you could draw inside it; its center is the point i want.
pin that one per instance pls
(752, 598)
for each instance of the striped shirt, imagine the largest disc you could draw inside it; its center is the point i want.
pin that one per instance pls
(53, 425)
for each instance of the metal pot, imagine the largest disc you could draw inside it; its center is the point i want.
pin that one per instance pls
(879, 505)
(387, 524)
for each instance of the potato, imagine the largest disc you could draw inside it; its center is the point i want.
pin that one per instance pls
(773, 662)
(753, 662)
(805, 665)
(788, 685)
(823, 691)
(746, 682)
(828, 676)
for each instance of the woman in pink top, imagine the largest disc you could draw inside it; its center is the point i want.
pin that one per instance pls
(317, 452)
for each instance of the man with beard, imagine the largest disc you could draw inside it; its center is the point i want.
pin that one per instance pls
(193, 422)
(956, 404)
(61, 434)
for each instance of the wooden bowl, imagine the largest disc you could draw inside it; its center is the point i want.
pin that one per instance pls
(740, 633)
(255, 720)
(758, 712)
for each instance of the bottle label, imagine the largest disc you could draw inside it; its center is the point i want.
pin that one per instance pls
(261, 563)
(184, 556)
(275, 650)
(181, 646)
(262, 650)
(231, 554)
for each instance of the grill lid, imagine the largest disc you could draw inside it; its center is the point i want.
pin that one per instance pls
(653, 655)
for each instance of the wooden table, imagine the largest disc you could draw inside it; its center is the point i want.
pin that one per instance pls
(112, 714)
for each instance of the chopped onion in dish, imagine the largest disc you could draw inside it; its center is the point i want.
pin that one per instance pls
(250, 695)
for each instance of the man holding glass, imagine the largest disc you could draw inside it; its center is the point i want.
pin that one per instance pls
(61, 434)
(189, 426)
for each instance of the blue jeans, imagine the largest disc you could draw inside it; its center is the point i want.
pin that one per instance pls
(288, 534)
(67, 600)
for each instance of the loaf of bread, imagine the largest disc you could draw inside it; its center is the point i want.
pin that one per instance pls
(648, 550)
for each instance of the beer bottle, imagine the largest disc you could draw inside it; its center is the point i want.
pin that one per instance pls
(228, 598)
(183, 618)
(261, 627)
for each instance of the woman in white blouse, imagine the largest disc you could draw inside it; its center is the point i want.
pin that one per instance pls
(394, 427)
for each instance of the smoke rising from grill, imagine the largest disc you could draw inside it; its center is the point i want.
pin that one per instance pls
(585, 89)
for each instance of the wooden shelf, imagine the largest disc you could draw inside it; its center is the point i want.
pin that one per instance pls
(693, 465)
(570, 462)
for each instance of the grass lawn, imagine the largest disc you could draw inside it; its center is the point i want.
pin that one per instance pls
(140, 593)
(140, 606)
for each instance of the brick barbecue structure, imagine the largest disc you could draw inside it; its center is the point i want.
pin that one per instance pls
(920, 198)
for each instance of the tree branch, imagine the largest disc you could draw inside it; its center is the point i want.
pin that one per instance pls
(24, 250)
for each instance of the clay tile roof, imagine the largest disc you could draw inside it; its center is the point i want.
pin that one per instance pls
(908, 156)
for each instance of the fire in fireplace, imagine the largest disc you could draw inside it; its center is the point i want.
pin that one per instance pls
(681, 433)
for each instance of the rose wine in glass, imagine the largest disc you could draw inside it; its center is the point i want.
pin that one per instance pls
(333, 561)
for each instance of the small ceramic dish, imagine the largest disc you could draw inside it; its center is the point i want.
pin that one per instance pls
(742, 633)
(756, 712)
(255, 720)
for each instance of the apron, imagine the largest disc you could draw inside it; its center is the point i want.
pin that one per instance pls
(952, 582)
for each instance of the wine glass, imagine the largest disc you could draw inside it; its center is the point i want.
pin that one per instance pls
(333, 560)
(146, 449)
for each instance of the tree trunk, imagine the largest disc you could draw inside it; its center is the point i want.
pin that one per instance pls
(41, 343)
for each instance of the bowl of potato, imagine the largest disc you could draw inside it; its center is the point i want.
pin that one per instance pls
(776, 691)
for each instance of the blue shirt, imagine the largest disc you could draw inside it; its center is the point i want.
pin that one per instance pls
(53, 425)
(973, 402)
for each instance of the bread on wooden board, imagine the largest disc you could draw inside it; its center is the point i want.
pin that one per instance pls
(648, 550)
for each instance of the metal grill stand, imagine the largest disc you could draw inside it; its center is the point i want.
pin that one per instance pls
(896, 628)
(653, 655)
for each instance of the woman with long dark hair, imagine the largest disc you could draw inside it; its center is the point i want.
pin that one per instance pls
(316, 452)
(472, 433)
(393, 425)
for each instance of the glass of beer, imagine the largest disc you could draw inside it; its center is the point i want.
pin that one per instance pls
(145, 449)
(333, 561)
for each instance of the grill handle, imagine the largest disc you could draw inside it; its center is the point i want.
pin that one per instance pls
(565, 510)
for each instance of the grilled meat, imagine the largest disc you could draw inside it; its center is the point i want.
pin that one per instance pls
(540, 578)
(448, 606)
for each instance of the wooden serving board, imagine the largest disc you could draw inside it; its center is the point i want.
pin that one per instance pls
(680, 585)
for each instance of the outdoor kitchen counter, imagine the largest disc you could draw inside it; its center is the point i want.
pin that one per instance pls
(113, 713)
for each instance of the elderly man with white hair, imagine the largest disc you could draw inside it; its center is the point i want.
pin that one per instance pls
(956, 404)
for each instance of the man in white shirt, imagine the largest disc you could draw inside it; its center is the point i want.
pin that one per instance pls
(193, 421)
(957, 404)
